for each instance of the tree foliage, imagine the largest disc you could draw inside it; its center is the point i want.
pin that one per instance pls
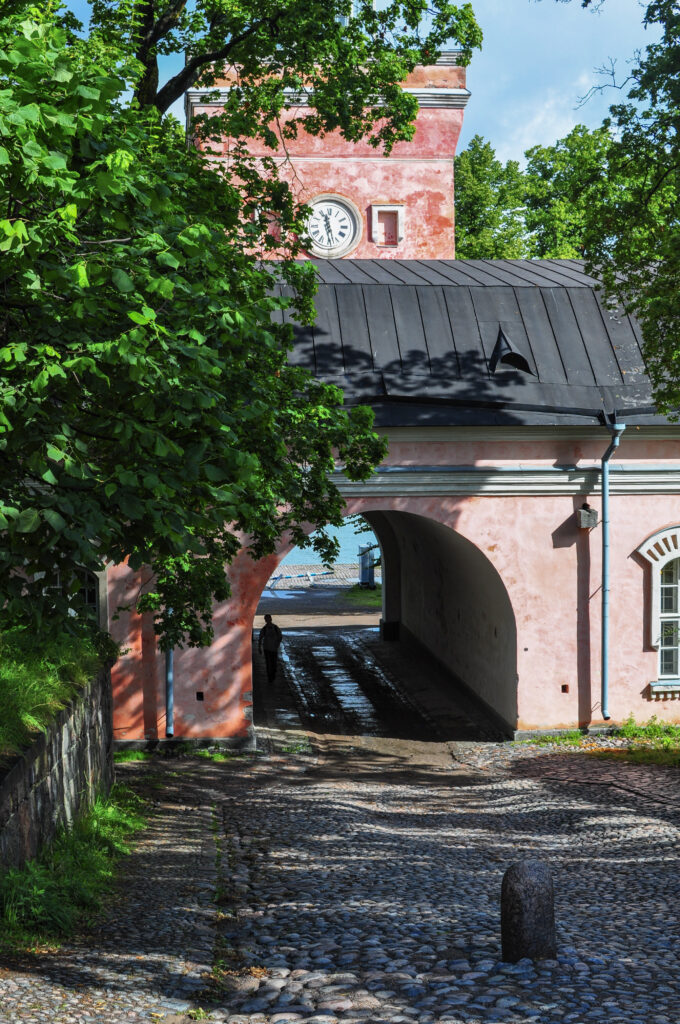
(543, 211)
(147, 408)
(612, 196)
(349, 56)
(490, 205)
(562, 183)
(634, 239)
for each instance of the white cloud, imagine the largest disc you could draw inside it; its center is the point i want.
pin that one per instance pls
(541, 121)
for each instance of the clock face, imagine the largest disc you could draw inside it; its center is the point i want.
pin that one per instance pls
(333, 226)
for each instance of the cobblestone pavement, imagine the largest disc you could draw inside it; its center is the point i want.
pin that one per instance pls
(654, 783)
(150, 955)
(366, 893)
(360, 882)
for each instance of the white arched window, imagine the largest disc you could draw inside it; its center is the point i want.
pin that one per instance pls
(662, 551)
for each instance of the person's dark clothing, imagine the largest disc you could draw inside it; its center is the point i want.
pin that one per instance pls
(271, 659)
(270, 641)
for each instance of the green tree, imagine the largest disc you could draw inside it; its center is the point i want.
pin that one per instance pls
(544, 211)
(147, 408)
(563, 182)
(634, 240)
(490, 205)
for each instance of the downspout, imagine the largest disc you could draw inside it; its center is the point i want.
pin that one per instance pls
(170, 693)
(616, 430)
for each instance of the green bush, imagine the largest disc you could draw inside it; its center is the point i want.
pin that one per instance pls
(36, 683)
(51, 896)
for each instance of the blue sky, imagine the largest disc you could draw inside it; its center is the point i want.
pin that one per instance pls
(539, 58)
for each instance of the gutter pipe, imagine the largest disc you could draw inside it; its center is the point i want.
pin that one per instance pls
(616, 429)
(170, 693)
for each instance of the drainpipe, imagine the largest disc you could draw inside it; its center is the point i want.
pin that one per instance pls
(616, 430)
(170, 693)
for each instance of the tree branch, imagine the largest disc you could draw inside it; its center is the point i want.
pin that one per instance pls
(164, 23)
(175, 87)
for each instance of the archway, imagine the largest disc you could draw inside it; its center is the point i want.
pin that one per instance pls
(442, 596)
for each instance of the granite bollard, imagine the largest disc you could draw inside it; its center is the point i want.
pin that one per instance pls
(528, 912)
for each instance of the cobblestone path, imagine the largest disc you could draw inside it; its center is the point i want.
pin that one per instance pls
(369, 891)
(150, 955)
(360, 883)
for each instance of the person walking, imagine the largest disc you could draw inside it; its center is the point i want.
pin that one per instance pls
(270, 641)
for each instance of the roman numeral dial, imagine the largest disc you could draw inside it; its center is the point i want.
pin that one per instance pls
(334, 226)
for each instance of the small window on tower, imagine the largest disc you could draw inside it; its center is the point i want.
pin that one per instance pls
(387, 225)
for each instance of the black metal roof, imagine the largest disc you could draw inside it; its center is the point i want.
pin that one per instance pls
(475, 342)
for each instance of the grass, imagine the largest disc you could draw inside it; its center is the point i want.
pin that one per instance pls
(60, 891)
(361, 597)
(565, 739)
(302, 747)
(123, 756)
(35, 684)
(653, 742)
(180, 750)
(218, 756)
(659, 732)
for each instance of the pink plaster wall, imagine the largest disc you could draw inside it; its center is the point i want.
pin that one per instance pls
(550, 569)
(585, 452)
(221, 672)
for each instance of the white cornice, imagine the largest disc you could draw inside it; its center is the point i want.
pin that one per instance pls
(456, 98)
(508, 481)
(430, 98)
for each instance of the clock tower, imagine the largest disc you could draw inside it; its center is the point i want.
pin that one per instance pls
(365, 205)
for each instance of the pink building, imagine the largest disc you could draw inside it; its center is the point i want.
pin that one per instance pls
(500, 386)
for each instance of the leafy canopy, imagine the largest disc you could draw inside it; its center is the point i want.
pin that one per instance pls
(543, 211)
(611, 195)
(348, 55)
(490, 205)
(147, 408)
(632, 236)
(635, 238)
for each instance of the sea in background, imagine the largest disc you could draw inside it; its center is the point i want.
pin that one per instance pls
(349, 548)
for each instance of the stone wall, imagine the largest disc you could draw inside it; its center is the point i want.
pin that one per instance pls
(59, 775)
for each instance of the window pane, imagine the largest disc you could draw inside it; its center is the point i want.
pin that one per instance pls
(669, 634)
(669, 662)
(668, 652)
(669, 573)
(669, 599)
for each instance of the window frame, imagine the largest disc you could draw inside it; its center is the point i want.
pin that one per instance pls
(398, 210)
(659, 550)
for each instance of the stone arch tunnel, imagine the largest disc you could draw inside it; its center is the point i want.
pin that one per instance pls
(439, 588)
